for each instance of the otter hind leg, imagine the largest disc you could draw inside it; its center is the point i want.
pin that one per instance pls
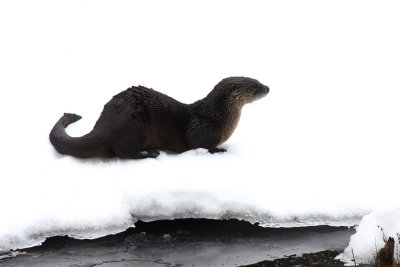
(216, 150)
(128, 148)
(144, 154)
(151, 153)
(126, 151)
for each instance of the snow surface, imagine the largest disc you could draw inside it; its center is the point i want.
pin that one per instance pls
(322, 147)
(373, 229)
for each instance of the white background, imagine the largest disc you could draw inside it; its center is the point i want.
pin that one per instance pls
(323, 146)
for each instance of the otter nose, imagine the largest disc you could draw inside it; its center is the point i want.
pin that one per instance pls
(266, 88)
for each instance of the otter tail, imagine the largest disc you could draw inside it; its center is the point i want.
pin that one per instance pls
(86, 146)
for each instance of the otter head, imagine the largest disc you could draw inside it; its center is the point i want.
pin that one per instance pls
(233, 93)
(240, 90)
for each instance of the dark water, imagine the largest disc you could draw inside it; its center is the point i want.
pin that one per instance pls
(187, 242)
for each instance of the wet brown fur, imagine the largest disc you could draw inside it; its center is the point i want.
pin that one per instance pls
(139, 122)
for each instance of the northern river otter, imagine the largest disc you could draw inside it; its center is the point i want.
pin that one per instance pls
(139, 122)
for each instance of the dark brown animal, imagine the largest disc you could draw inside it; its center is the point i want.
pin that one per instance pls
(139, 122)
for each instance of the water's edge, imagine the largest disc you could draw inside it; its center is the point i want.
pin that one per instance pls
(188, 242)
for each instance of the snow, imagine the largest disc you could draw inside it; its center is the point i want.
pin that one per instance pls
(373, 229)
(321, 148)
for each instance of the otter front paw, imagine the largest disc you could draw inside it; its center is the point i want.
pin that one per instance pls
(216, 150)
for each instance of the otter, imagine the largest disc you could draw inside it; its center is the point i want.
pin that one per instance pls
(139, 122)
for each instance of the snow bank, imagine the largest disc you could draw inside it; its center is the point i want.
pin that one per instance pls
(51, 194)
(319, 149)
(370, 234)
